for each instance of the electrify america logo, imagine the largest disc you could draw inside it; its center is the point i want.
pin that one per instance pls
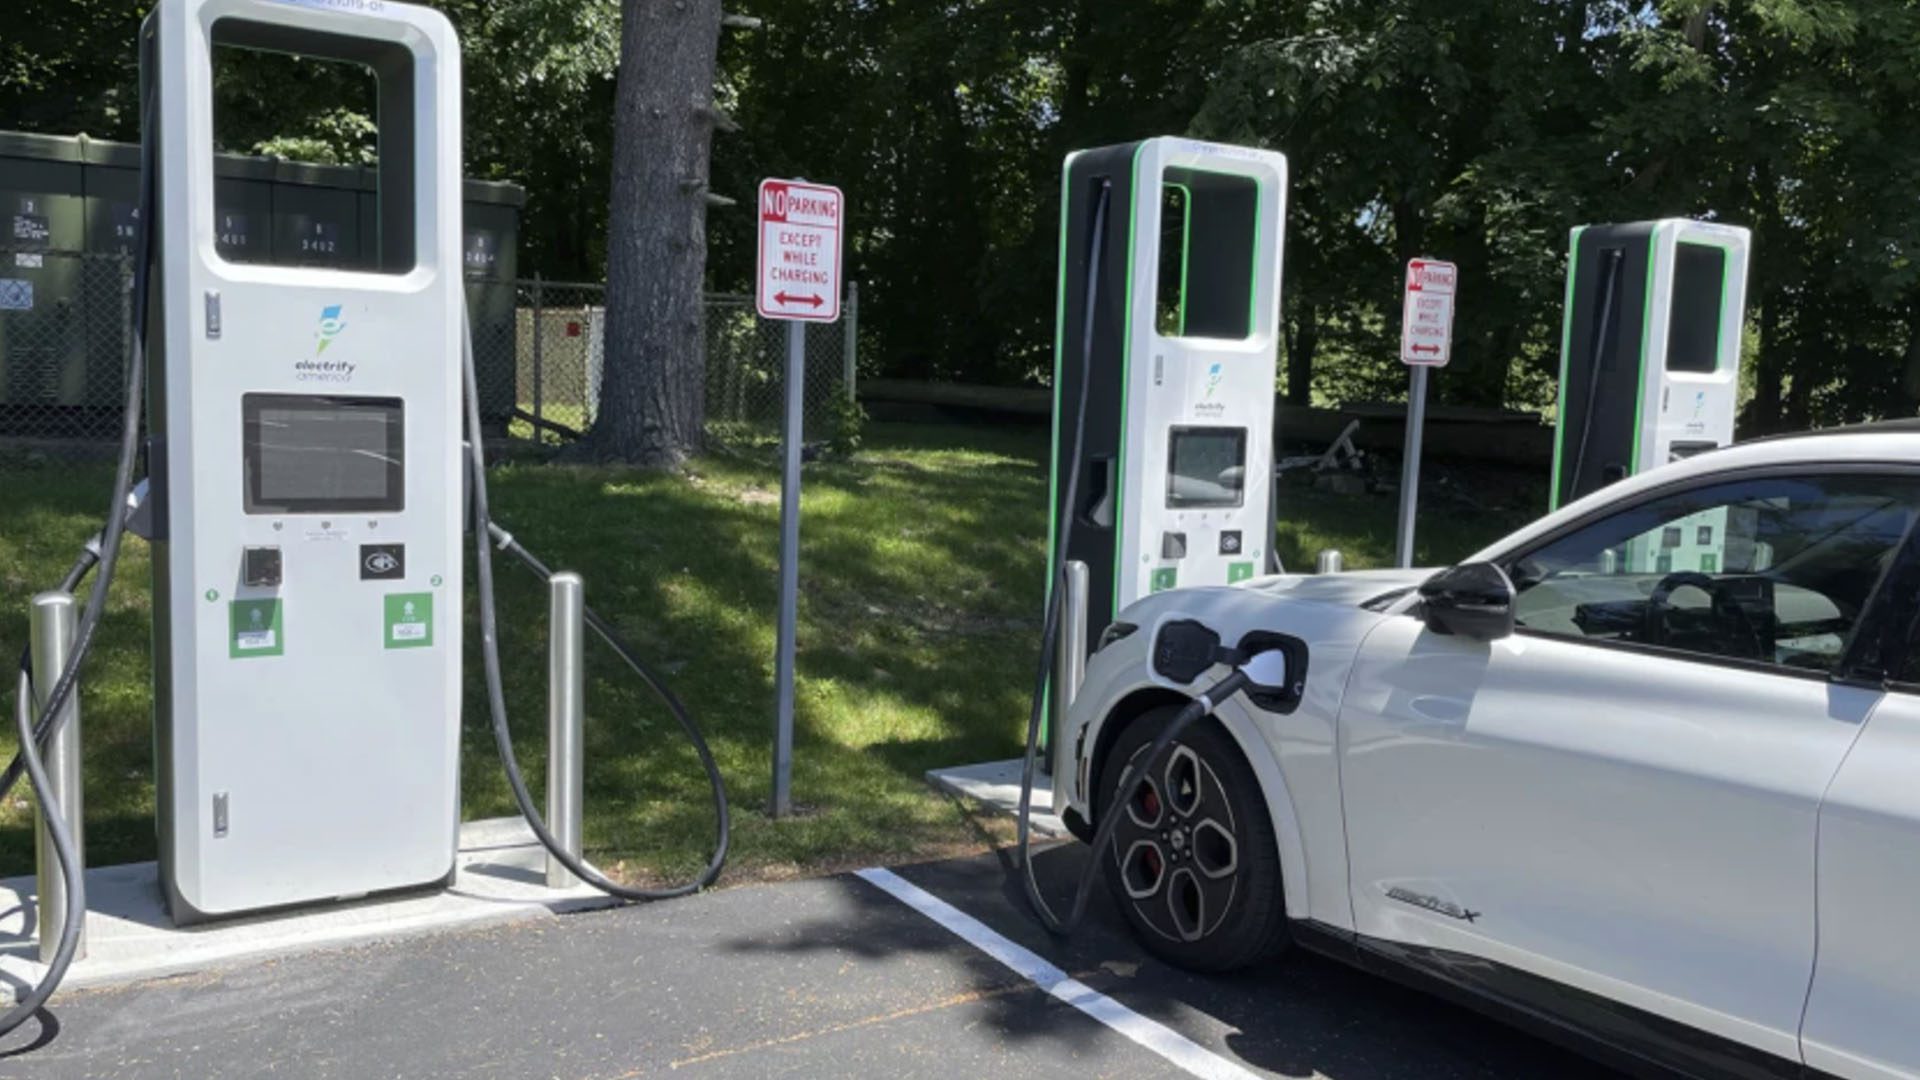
(1697, 422)
(1207, 408)
(332, 324)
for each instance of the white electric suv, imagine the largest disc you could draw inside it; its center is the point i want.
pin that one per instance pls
(1643, 776)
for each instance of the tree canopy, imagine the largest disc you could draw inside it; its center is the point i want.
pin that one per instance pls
(1479, 131)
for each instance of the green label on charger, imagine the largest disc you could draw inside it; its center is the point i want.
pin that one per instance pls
(1240, 571)
(254, 629)
(409, 620)
(1165, 578)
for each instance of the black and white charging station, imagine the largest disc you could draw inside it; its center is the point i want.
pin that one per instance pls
(1165, 363)
(1650, 348)
(1176, 464)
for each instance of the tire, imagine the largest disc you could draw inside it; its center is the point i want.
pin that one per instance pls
(1194, 864)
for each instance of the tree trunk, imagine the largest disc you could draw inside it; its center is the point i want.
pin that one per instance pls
(1766, 415)
(1910, 363)
(1301, 345)
(653, 399)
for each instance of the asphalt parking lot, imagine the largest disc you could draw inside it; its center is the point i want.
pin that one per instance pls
(828, 977)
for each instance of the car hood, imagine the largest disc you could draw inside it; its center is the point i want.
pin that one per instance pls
(1354, 587)
(1347, 590)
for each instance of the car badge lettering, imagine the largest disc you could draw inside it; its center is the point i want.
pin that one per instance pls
(1432, 903)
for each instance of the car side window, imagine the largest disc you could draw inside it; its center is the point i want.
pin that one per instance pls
(1770, 569)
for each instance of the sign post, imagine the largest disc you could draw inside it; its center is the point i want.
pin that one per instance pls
(1426, 341)
(801, 231)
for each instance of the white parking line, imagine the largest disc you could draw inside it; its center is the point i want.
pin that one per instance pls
(1155, 1036)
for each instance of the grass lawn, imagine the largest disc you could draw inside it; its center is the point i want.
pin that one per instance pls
(920, 591)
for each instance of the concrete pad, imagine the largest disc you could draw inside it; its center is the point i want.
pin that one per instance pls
(997, 785)
(500, 877)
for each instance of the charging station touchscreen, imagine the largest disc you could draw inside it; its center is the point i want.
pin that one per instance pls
(315, 454)
(1207, 467)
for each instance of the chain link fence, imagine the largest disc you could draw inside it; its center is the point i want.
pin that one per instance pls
(747, 363)
(63, 345)
(558, 357)
(539, 349)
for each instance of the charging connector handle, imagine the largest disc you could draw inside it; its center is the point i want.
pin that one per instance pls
(1247, 676)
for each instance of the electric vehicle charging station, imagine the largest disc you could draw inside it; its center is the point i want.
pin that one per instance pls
(306, 465)
(308, 480)
(1650, 352)
(1164, 370)
(1176, 472)
(1166, 354)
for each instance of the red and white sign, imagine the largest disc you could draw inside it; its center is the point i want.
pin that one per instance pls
(1426, 320)
(801, 228)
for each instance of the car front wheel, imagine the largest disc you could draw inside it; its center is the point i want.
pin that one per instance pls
(1193, 862)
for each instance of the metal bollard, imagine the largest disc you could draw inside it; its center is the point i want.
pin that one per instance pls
(52, 638)
(1329, 562)
(1069, 671)
(566, 717)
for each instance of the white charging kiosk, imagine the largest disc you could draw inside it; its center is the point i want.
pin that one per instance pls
(307, 464)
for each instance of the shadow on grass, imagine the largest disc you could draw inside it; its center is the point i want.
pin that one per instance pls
(918, 577)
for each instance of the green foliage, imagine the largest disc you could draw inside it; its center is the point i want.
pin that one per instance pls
(539, 81)
(846, 422)
(68, 66)
(1479, 130)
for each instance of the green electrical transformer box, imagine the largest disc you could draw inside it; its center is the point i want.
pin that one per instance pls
(67, 228)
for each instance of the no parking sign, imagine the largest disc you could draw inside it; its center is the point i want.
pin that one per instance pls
(1426, 318)
(801, 227)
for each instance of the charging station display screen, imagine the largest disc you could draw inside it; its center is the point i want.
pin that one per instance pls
(1206, 467)
(323, 454)
(1693, 327)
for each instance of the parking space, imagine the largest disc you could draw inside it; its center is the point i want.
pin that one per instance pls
(828, 977)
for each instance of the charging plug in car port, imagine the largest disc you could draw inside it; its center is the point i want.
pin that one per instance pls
(1278, 699)
(1184, 650)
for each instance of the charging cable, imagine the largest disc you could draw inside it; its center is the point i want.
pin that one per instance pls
(485, 535)
(1263, 671)
(1050, 621)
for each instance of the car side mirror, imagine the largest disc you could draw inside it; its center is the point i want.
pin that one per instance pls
(1472, 600)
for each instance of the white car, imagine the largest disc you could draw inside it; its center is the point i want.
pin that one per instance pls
(1643, 776)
